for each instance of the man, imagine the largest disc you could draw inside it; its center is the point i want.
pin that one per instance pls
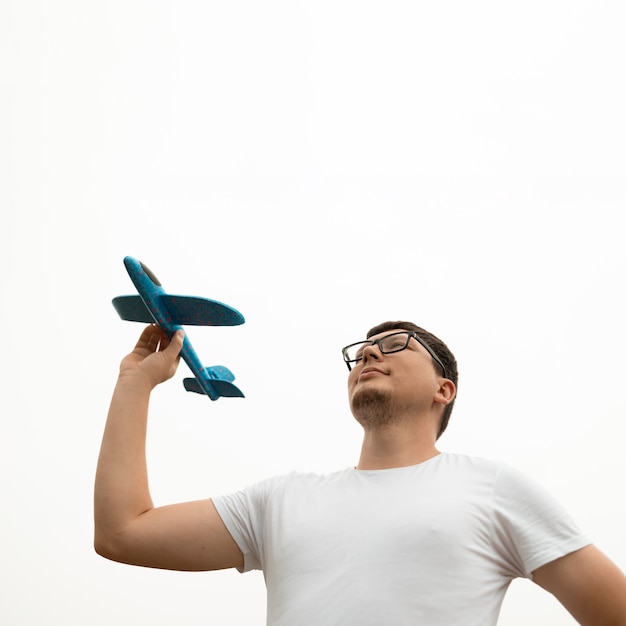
(408, 536)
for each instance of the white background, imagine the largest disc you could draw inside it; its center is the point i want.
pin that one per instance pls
(321, 166)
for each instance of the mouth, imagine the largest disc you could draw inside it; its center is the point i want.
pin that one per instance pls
(371, 372)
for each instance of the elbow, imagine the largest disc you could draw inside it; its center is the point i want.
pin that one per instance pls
(116, 541)
(120, 546)
(108, 547)
(103, 546)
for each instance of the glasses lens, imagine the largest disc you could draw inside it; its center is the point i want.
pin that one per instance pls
(395, 342)
(355, 352)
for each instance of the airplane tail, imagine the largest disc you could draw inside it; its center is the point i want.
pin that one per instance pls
(219, 372)
(219, 377)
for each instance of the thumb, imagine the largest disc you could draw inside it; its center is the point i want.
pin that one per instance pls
(170, 355)
(176, 344)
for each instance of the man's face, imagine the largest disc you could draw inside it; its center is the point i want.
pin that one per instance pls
(382, 387)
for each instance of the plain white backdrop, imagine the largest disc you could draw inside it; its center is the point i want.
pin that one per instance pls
(321, 166)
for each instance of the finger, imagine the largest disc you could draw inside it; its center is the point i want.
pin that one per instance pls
(150, 338)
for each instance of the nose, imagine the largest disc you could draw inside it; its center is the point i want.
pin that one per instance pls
(371, 352)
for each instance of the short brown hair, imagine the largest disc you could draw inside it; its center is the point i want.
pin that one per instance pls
(438, 347)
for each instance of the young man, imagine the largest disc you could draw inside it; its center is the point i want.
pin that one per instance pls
(408, 536)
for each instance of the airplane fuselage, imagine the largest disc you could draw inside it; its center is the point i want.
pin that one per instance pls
(150, 290)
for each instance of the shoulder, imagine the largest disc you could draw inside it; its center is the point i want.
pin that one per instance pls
(501, 486)
(293, 481)
(500, 472)
(472, 467)
(506, 482)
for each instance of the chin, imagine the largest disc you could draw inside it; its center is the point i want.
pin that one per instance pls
(372, 407)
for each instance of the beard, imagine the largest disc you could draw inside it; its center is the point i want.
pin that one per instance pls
(372, 408)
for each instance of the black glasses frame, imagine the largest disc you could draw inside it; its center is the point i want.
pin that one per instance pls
(409, 333)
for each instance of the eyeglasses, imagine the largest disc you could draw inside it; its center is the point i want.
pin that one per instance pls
(394, 342)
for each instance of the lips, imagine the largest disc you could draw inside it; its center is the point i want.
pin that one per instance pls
(371, 371)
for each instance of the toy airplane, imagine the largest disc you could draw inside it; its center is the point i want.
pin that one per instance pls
(170, 312)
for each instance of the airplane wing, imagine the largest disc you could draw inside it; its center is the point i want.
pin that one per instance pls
(132, 309)
(192, 311)
(183, 310)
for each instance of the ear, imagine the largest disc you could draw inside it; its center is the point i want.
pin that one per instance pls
(446, 392)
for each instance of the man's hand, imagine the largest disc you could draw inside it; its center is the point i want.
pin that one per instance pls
(155, 357)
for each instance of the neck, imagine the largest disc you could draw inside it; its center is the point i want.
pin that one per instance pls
(396, 445)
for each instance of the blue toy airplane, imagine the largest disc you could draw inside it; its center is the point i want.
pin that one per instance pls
(153, 305)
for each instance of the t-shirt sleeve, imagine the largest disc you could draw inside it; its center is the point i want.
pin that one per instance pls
(531, 528)
(243, 513)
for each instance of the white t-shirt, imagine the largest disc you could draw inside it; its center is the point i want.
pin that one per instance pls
(434, 544)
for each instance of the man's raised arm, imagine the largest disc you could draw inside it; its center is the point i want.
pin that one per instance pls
(186, 536)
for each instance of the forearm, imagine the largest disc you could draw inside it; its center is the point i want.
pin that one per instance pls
(121, 488)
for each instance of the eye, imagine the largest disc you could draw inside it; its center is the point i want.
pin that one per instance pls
(394, 344)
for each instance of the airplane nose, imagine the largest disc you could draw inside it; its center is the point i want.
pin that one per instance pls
(132, 266)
